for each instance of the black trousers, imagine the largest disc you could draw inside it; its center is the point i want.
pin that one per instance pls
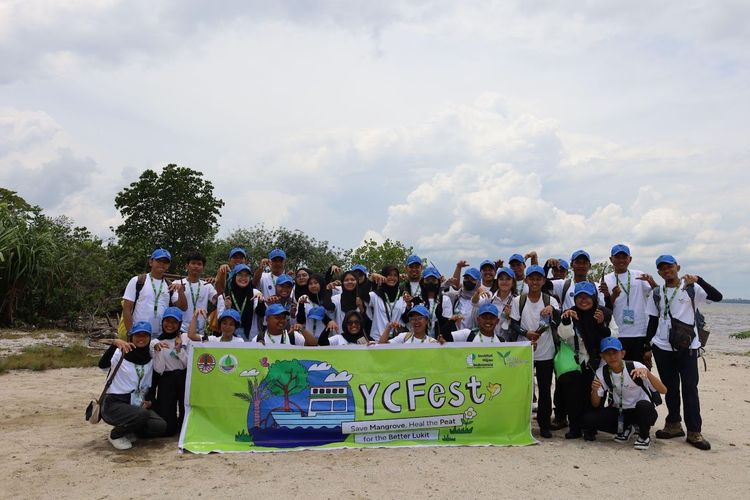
(680, 368)
(126, 418)
(544, 370)
(605, 419)
(571, 397)
(633, 347)
(170, 399)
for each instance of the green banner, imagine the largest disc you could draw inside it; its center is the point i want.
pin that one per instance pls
(255, 398)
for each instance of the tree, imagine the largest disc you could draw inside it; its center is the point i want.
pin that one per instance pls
(598, 270)
(255, 395)
(286, 378)
(176, 210)
(377, 255)
(300, 248)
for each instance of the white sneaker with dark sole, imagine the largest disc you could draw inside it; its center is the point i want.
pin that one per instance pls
(642, 443)
(624, 436)
(121, 443)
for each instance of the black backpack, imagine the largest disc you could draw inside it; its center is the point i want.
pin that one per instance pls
(654, 396)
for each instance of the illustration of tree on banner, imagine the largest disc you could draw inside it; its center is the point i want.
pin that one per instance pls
(255, 395)
(286, 378)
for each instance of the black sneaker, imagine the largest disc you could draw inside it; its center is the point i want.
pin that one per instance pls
(642, 443)
(545, 433)
(589, 436)
(624, 436)
(573, 435)
(558, 423)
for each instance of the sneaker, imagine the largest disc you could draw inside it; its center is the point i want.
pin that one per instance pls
(558, 423)
(670, 430)
(573, 435)
(121, 443)
(132, 437)
(589, 436)
(642, 443)
(545, 433)
(624, 436)
(696, 439)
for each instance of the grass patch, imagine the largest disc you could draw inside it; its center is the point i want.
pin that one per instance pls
(44, 357)
(741, 335)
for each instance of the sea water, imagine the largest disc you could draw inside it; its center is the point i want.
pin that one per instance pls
(723, 320)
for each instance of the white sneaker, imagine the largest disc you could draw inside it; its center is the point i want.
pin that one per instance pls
(625, 435)
(122, 443)
(642, 443)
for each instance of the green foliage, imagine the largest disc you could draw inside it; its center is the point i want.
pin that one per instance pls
(377, 255)
(176, 210)
(286, 378)
(301, 249)
(741, 335)
(598, 270)
(44, 357)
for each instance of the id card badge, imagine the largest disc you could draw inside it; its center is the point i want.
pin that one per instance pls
(628, 317)
(620, 423)
(136, 398)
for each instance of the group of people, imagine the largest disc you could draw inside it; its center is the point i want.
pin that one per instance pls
(607, 386)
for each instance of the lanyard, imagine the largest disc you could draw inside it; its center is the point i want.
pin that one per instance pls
(668, 301)
(416, 292)
(519, 288)
(431, 318)
(421, 341)
(139, 371)
(234, 303)
(626, 290)
(481, 338)
(390, 306)
(156, 295)
(194, 296)
(622, 382)
(283, 334)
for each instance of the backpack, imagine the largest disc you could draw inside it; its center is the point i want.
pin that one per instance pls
(700, 320)
(122, 333)
(566, 286)
(472, 335)
(654, 396)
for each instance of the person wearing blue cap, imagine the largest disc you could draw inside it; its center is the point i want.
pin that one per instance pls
(127, 403)
(268, 272)
(148, 295)
(283, 296)
(488, 316)
(535, 316)
(673, 319)
(626, 292)
(487, 270)
(463, 307)
(318, 294)
(419, 317)
(237, 255)
(562, 289)
(437, 303)
(632, 386)
(198, 292)
(277, 331)
(517, 263)
(414, 269)
(316, 320)
(169, 352)
(243, 298)
(385, 305)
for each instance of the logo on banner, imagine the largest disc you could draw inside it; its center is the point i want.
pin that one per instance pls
(206, 363)
(483, 360)
(227, 363)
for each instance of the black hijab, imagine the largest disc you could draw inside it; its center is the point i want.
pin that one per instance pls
(348, 297)
(139, 355)
(386, 292)
(349, 337)
(300, 290)
(241, 296)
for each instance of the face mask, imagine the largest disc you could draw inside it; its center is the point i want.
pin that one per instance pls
(468, 285)
(431, 287)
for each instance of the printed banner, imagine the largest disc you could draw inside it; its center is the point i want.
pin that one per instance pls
(271, 398)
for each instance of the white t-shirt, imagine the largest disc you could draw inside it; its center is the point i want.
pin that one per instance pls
(144, 308)
(409, 338)
(545, 346)
(569, 299)
(299, 339)
(629, 310)
(131, 379)
(680, 307)
(414, 288)
(232, 340)
(339, 340)
(631, 392)
(463, 336)
(168, 359)
(504, 323)
(268, 284)
(197, 295)
(376, 311)
(461, 304)
(432, 308)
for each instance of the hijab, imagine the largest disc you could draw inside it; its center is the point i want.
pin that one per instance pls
(300, 290)
(386, 292)
(241, 296)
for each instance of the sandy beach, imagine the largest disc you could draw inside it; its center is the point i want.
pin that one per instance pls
(50, 452)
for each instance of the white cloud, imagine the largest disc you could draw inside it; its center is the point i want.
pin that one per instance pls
(319, 367)
(249, 373)
(339, 377)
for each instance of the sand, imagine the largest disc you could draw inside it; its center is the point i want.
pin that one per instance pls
(50, 452)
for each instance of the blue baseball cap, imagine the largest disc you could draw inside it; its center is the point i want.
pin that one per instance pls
(421, 310)
(275, 310)
(473, 272)
(172, 312)
(505, 270)
(360, 268)
(413, 259)
(585, 287)
(161, 253)
(240, 267)
(230, 313)
(580, 253)
(665, 259)
(317, 312)
(487, 262)
(608, 343)
(535, 269)
(140, 327)
(620, 248)
(516, 257)
(277, 253)
(564, 264)
(430, 272)
(488, 308)
(237, 250)
(284, 279)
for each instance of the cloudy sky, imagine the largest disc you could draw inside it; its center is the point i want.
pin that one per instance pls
(465, 129)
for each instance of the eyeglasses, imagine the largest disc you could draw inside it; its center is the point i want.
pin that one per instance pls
(352, 322)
